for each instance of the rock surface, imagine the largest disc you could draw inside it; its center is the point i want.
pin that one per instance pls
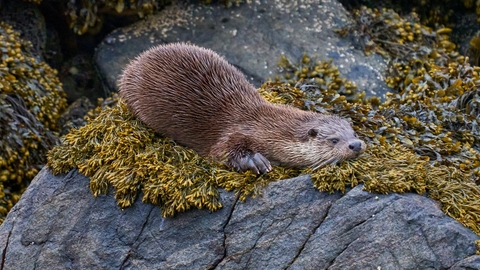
(251, 36)
(58, 224)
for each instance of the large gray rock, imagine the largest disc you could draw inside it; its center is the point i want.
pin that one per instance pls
(251, 36)
(58, 224)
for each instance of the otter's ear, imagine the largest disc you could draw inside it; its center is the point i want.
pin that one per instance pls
(312, 132)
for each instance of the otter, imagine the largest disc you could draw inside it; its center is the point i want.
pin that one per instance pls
(195, 97)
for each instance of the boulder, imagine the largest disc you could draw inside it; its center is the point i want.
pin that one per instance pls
(58, 224)
(251, 36)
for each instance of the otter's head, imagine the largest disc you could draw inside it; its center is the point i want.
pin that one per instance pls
(328, 140)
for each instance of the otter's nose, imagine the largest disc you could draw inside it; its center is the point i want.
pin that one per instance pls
(355, 146)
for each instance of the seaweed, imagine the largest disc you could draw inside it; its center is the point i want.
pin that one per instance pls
(31, 101)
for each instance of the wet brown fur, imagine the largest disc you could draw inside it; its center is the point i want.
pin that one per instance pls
(195, 97)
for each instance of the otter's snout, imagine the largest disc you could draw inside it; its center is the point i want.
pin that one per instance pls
(357, 146)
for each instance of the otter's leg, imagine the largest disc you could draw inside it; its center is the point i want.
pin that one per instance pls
(255, 162)
(241, 154)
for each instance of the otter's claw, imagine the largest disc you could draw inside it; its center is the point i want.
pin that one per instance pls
(254, 162)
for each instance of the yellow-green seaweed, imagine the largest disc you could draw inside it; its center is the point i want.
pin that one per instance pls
(31, 101)
(116, 149)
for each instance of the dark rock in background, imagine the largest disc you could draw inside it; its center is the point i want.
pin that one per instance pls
(58, 224)
(251, 36)
(26, 19)
(74, 116)
(80, 78)
(465, 28)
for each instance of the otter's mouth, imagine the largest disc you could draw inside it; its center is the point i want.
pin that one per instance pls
(356, 155)
(353, 154)
(332, 160)
(335, 160)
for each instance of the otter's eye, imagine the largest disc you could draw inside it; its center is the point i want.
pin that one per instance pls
(356, 136)
(334, 141)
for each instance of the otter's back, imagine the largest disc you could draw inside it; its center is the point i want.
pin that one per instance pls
(187, 93)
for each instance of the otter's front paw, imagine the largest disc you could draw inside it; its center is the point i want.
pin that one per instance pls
(254, 162)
